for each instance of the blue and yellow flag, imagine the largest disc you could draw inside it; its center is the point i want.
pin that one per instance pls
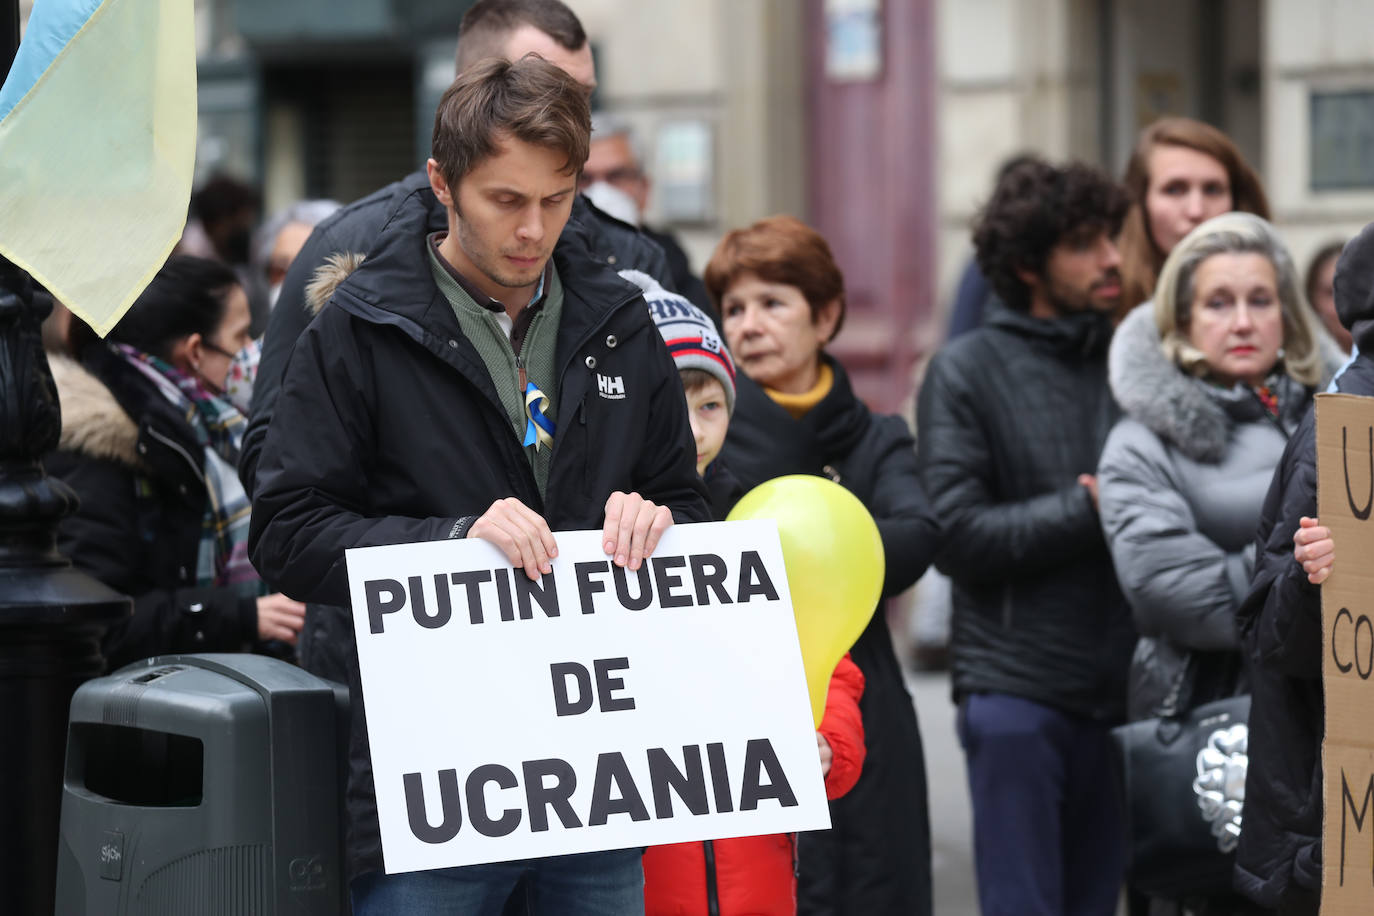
(97, 148)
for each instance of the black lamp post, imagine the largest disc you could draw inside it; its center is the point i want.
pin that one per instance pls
(9, 34)
(51, 615)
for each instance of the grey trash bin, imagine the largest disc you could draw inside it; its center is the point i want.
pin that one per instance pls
(203, 784)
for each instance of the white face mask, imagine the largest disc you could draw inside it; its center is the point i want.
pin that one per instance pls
(272, 295)
(614, 202)
(238, 387)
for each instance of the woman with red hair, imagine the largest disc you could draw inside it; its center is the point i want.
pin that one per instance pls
(781, 298)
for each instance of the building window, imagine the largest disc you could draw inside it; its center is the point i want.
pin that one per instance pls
(684, 172)
(1342, 134)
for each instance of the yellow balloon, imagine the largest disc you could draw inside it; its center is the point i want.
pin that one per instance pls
(835, 567)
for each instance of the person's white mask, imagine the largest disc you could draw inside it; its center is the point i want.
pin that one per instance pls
(243, 372)
(614, 202)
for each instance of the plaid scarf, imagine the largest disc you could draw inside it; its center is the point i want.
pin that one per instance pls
(218, 427)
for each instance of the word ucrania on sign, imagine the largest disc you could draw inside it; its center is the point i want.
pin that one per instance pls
(596, 708)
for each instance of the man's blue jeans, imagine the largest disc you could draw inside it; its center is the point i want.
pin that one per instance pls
(589, 884)
(1048, 836)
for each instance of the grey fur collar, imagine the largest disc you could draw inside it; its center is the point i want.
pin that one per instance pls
(1157, 394)
(1186, 412)
(93, 423)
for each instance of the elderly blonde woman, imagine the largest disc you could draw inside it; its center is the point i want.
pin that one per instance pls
(1212, 376)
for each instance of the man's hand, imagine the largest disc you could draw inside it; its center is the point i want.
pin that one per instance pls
(1314, 550)
(827, 755)
(1090, 483)
(280, 618)
(633, 527)
(520, 533)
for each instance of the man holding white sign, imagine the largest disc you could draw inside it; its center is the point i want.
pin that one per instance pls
(492, 382)
(629, 708)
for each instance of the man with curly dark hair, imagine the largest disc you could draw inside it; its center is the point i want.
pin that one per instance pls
(1011, 420)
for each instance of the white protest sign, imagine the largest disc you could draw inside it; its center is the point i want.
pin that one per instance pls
(595, 709)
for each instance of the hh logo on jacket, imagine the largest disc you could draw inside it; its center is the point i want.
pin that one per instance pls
(611, 387)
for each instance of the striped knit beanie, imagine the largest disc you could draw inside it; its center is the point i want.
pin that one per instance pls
(690, 334)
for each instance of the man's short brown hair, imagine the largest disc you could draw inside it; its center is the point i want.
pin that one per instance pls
(529, 99)
(487, 26)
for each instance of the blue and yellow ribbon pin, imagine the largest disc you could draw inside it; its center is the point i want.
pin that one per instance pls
(539, 429)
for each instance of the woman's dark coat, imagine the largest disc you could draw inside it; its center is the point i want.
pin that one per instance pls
(876, 856)
(134, 462)
(1279, 860)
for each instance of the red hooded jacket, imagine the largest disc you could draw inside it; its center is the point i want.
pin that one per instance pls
(756, 875)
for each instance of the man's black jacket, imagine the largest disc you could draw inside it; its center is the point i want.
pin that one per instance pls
(356, 228)
(388, 428)
(1279, 860)
(1009, 416)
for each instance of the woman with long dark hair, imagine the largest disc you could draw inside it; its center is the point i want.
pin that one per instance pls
(150, 445)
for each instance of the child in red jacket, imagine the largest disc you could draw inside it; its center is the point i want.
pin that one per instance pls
(753, 875)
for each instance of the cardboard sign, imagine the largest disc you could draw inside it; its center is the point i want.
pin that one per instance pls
(1345, 497)
(595, 709)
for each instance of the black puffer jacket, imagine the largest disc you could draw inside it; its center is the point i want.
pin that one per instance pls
(1279, 860)
(1009, 416)
(876, 856)
(135, 463)
(389, 430)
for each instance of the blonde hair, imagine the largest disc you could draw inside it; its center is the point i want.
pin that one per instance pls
(1233, 233)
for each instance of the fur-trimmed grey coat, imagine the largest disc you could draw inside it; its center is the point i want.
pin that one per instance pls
(1181, 481)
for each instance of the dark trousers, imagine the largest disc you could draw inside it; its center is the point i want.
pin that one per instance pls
(1047, 821)
(875, 858)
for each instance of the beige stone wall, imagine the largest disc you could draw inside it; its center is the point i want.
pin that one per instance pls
(1014, 76)
(1311, 45)
(1023, 75)
(736, 64)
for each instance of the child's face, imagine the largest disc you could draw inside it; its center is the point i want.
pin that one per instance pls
(710, 420)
